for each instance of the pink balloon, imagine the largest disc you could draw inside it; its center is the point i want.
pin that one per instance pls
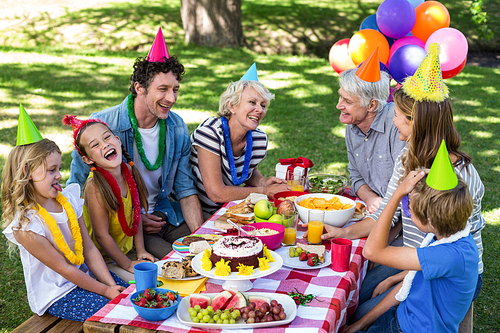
(453, 45)
(455, 71)
(405, 41)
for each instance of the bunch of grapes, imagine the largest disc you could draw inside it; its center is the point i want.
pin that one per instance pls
(294, 251)
(208, 315)
(265, 313)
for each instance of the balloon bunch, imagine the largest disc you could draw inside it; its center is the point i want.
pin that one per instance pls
(403, 30)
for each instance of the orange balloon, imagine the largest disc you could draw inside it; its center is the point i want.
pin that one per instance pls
(339, 57)
(431, 16)
(364, 42)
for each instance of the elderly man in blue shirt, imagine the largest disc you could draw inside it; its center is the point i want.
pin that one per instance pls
(158, 143)
(371, 137)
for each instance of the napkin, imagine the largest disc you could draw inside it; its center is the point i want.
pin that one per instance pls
(184, 288)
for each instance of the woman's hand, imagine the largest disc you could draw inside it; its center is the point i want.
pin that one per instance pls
(272, 180)
(146, 256)
(271, 190)
(329, 232)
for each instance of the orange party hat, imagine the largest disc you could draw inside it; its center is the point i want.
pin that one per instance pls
(158, 50)
(369, 70)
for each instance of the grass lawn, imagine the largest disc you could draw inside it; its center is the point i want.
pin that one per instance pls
(79, 62)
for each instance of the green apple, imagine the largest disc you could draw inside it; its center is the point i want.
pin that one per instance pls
(263, 209)
(276, 218)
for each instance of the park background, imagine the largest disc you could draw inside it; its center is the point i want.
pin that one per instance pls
(75, 57)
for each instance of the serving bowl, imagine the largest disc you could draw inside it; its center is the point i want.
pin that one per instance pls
(271, 241)
(336, 218)
(326, 183)
(155, 314)
(286, 194)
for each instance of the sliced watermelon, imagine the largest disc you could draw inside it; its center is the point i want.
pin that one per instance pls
(198, 299)
(258, 300)
(237, 302)
(221, 299)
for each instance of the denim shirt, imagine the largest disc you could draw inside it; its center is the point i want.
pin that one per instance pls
(177, 178)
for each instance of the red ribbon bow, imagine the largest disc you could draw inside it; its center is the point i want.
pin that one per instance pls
(294, 162)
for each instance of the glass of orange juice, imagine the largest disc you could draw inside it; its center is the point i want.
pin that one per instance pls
(298, 183)
(315, 226)
(290, 221)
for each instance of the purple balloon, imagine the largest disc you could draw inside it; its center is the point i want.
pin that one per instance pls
(395, 18)
(405, 41)
(405, 61)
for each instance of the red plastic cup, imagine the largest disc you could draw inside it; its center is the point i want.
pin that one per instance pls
(341, 254)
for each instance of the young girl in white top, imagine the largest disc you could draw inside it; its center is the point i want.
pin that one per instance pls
(64, 272)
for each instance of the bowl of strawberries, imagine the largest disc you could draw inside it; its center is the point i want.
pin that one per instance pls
(155, 304)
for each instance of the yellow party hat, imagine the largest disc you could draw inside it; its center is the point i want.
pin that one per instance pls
(427, 82)
(442, 175)
(26, 130)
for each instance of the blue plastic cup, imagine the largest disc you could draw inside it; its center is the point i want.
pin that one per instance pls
(146, 275)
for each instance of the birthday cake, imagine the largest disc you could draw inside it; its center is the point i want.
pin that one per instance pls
(238, 250)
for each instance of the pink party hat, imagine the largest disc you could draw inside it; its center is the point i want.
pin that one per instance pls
(158, 50)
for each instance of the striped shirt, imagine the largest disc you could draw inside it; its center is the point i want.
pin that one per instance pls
(412, 236)
(210, 136)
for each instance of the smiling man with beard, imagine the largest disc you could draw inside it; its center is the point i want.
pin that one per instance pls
(371, 137)
(159, 144)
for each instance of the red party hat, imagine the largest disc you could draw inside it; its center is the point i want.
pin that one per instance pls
(77, 125)
(158, 50)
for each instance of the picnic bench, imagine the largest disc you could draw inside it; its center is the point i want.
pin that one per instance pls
(48, 324)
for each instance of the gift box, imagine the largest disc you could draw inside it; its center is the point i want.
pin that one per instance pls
(300, 166)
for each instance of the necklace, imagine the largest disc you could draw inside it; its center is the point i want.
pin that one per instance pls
(75, 258)
(138, 139)
(229, 151)
(129, 231)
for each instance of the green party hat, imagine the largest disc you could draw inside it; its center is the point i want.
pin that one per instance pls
(26, 130)
(442, 175)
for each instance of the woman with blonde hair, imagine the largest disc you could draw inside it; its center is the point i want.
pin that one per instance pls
(226, 150)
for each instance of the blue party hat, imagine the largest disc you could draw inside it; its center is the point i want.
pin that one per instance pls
(251, 74)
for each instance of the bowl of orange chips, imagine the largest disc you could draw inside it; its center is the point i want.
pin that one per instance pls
(338, 209)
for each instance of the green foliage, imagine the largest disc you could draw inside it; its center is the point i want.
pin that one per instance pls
(480, 18)
(54, 72)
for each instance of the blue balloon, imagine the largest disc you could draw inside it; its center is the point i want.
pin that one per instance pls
(415, 3)
(405, 61)
(370, 23)
(395, 18)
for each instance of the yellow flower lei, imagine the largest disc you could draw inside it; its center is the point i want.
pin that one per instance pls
(74, 258)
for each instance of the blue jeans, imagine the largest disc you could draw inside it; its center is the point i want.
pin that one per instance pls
(386, 323)
(373, 277)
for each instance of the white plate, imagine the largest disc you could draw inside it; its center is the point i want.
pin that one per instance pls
(160, 265)
(288, 305)
(274, 266)
(296, 263)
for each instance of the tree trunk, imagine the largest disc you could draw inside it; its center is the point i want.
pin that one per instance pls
(212, 22)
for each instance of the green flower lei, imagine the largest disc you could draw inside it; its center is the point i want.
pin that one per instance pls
(138, 140)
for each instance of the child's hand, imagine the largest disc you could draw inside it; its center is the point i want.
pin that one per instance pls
(113, 291)
(410, 181)
(146, 256)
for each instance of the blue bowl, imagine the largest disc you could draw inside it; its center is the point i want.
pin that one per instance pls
(154, 314)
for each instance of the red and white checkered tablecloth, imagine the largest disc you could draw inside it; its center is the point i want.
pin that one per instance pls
(336, 295)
